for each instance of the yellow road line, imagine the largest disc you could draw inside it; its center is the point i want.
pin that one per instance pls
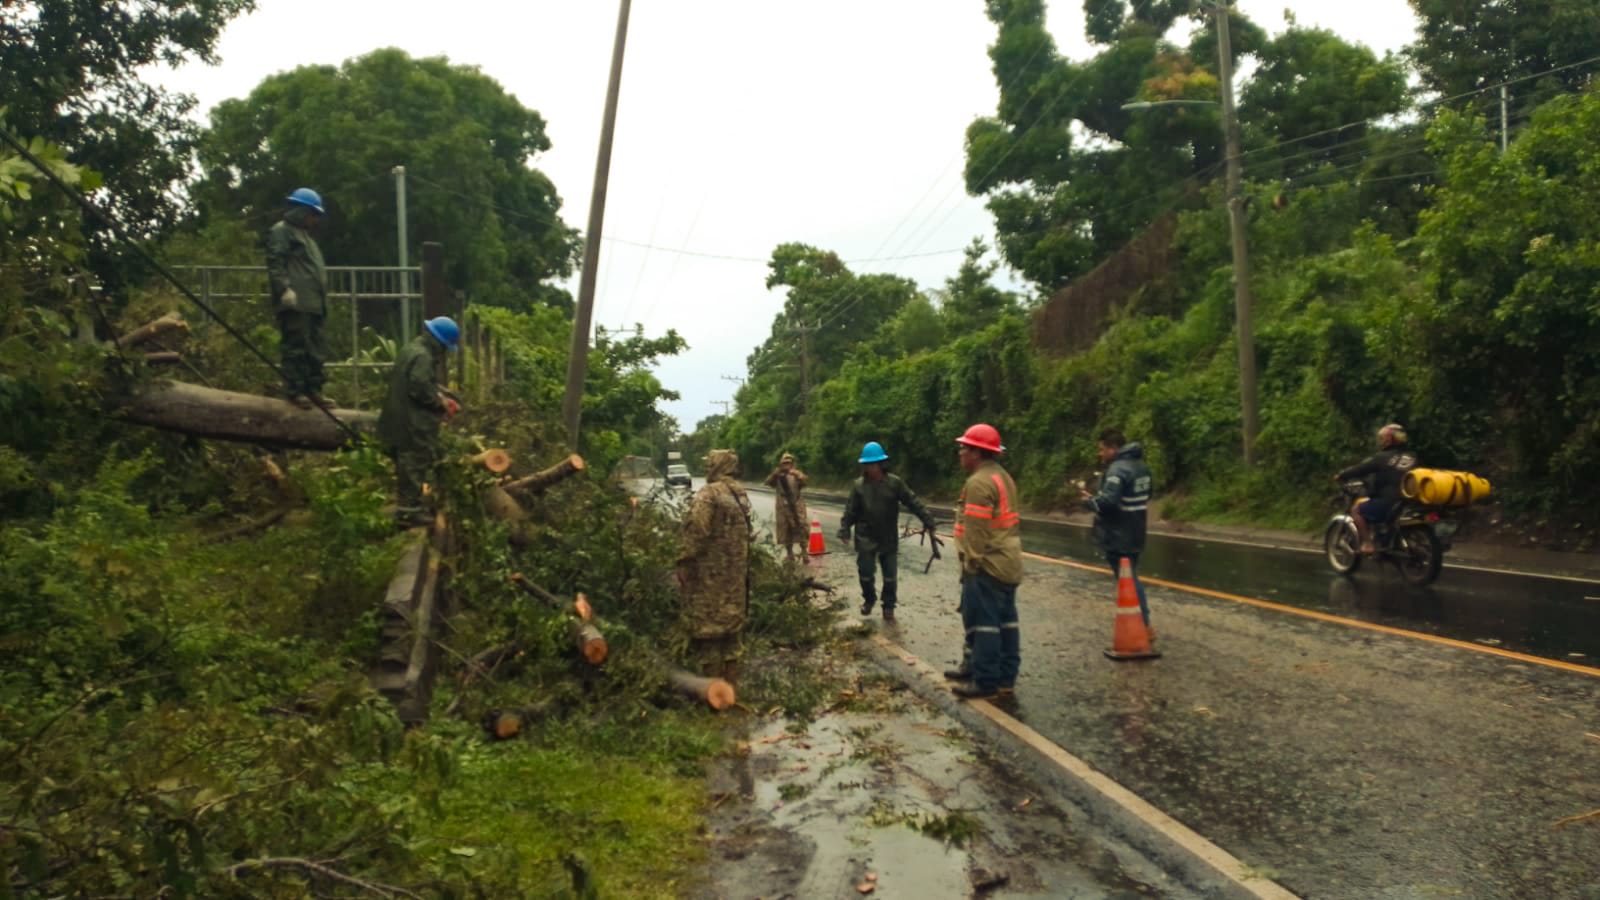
(1339, 620)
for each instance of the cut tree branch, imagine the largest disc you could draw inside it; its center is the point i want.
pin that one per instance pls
(539, 482)
(319, 870)
(151, 330)
(586, 635)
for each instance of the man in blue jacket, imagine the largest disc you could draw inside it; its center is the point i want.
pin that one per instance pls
(1120, 507)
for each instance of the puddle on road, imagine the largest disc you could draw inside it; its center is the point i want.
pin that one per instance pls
(906, 798)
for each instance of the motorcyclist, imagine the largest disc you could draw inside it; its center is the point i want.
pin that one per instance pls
(1384, 471)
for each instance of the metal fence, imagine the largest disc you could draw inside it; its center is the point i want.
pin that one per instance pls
(371, 309)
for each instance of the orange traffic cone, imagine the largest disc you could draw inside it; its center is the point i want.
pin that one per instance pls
(817, 547)
(1129, 640)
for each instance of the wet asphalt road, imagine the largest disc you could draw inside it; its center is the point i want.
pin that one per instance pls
(1548, 617)
(1341, 762)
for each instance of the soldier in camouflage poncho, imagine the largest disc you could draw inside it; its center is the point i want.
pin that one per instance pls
(713, 570)
(789, 507)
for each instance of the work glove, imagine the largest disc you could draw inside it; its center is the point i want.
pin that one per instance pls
(289, 300)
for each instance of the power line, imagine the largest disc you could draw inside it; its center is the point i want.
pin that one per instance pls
(117, 231)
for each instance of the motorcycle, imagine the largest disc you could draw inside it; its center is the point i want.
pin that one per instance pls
(1414, 538)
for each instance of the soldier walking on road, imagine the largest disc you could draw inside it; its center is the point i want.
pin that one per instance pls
(1120, 509)
(789, 508)
(874, 511)
(415, 406)
(714, 567)
(299, 285)
(989, 545)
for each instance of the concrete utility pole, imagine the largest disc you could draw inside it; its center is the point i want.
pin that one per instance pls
(399, 173)
(805, 364)
(578, 361)
(1241, 246)
(733, 378)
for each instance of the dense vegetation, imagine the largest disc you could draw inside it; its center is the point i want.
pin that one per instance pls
(184, 702)
(1403, 267)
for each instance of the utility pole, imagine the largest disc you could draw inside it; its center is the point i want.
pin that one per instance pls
(805, 364)
(578, 360)
(727, 405)
(399, 173)
(733, 378)
(1504, 97)
(1240, 238)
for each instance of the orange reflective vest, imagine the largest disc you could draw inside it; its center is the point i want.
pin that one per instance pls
(988, 528)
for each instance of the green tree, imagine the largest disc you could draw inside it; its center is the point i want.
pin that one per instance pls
(1465, 45)
(1510, 256)
(466, 145)
(70, 74)
(1069, 174)
(1321, 93)
(970, 301)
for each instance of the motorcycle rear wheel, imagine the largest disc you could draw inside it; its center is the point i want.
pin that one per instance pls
(1419, 556)
(1342, 545)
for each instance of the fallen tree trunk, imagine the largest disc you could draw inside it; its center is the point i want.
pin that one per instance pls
(501, 505)
(586, 636)
(539, 482)
(229, 416)
(714, 692)
(151, 330)
(162, 358)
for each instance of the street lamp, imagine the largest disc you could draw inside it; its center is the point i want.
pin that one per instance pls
(1236, 220)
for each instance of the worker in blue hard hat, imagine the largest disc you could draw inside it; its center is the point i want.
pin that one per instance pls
(413, 410)
(873, 511)
(299, 286)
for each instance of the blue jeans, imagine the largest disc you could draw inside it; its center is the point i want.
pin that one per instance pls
(994, 639)
(1133, 563)
(867, 563)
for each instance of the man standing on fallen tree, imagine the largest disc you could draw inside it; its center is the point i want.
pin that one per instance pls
(714, 567)
(408, 427)
(873, 510)
(299, 284)
(789, 507)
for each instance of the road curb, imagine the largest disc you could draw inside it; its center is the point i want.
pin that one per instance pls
(1200, 864)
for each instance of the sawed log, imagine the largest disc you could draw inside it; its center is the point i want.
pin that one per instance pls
(714, 692)
(539, 482)
(150, 330)
(495, 460)
(229, 416)
(586, 635)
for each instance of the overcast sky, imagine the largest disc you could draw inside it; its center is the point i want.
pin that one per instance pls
(741, 125)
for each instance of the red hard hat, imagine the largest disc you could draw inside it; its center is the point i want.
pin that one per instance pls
(982, 436)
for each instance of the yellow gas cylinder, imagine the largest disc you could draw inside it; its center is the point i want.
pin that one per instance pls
(1441, 487)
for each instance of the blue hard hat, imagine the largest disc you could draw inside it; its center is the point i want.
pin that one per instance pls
(445, 330)
(307, 197)
(872, 452)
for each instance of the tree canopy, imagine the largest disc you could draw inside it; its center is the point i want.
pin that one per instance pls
(466, 145)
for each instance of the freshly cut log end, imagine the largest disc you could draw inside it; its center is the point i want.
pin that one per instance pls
(577, 463)
(591, 643)
(582, 609)
(495, 460)
(720, 695)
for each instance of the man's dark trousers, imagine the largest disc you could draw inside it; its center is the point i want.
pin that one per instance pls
(994, 639)
(867, 564)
